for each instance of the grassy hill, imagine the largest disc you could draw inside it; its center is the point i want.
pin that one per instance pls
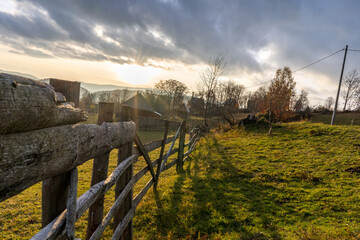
(300, 183)
(342, 118)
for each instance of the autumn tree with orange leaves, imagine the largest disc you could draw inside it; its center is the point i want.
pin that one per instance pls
(281, 93)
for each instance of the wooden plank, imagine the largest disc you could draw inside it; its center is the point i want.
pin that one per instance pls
(191, 141)
(175, 150)
(142, 193)
(161, 153)
(153, 145)
(170, 149)
(70, 89)
(56, 227)
(99, 172)
(123, 224)
(180, 158)
(144, 170)
(191, 147)
(125, 178)
(27, 105)
(106, 221)
(29, 157)
(58, 186)
(71, 205)
(143, 152)
(169, 165)
(53, 197)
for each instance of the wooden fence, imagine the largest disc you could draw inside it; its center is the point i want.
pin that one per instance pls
(53, 154)
(153, 124)
(125, 204)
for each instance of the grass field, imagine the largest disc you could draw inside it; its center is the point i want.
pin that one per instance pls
(20, 216)
(299, 183)
(247, 185)
(340, 119)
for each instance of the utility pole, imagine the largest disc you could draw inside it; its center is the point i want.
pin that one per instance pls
(338, 92)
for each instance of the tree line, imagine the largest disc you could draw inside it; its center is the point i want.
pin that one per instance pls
(214, 96)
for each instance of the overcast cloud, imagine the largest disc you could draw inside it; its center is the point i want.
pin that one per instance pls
(191, 32)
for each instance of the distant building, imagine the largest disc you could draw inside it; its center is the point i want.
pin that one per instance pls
(196, 106)
(139, 107)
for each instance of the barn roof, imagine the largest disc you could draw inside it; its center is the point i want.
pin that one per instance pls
(138, 102)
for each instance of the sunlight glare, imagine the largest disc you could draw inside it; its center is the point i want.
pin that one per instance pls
(8, 6)
(135, 74)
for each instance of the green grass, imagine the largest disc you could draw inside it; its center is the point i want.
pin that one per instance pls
(239, 184)
(340, 119)
(247, 185)
(20, 216)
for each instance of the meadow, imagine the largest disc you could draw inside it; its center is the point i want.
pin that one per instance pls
(342, 118)
(20, 216)
(302, 182)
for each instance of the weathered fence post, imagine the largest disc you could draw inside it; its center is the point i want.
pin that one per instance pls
(71, 90)
(179, 164)
(55, 190)
(124, 152)
(99, 172)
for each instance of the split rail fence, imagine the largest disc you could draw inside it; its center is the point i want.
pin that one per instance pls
(54, 155)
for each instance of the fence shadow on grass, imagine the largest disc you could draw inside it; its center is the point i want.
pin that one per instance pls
(225, 200)
(167, 218)
(220, 192)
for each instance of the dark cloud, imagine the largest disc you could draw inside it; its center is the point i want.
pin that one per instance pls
(186, 31)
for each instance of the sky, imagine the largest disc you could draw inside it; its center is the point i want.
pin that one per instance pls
(139, 42)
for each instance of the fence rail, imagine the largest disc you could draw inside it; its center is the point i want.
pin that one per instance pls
(61, 226)
(52, 155)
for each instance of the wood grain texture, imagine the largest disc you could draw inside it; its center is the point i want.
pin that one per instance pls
(142, 193)
(144, 170)
(27, 104)
(119, 231)
(163, 143)
(57, 227)
(29, 157)
(71, 205)
(145, 154)
(170, 150)
(179, 165)
(126, 205)
(153, 145)
(106, 221)
(99, 172)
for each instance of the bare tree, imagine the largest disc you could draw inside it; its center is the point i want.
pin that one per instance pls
(258, 101)
(87, 101)
(209, 81)
(119, 95)
(351, 85)
(301, 101)
(105, 96)
(231, 97)
(116, 96)
(328, 103)
(124, 94)
(174, 90)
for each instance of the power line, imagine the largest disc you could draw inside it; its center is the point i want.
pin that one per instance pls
(258, 84)
(318, 61)
(304, 66)
(354, 50)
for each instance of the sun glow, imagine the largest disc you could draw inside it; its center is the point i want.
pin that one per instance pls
(8, 6)
(136, 74)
